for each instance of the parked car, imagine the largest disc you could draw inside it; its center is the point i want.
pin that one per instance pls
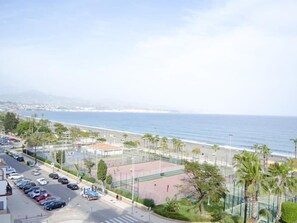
(54, 175)
(14, 176)
(19, 183)
(60, 179)
(73, 186)
(36, 172)
(28, 186)
(42, 197)
(64, 180)
(42, 181)
(24, 184)
(19, 180)
(37, 193)
(10, 170)
(90, 194)
(47, 201)
(31, 189)
(55, 204)
(20, 159)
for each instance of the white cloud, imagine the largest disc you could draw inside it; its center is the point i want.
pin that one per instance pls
(232, 57)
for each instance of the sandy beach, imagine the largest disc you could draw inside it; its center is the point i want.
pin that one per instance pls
(222, 157)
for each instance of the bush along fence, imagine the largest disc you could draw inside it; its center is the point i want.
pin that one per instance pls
(125, 193)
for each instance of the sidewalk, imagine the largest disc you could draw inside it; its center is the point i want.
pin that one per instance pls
(139, 211)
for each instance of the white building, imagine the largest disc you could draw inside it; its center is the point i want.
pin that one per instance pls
(5, 190)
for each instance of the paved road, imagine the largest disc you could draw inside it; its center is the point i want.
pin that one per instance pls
(77, 209)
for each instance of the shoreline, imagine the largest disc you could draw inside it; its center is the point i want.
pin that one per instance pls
(112, 136)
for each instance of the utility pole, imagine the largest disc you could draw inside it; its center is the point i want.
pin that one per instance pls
(132, 185)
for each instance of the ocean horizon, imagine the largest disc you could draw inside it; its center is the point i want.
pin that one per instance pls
(237, 131)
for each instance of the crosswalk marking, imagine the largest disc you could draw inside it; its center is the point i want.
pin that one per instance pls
(133, 219)
(121, 219)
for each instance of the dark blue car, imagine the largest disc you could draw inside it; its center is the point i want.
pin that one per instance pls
(54, 205)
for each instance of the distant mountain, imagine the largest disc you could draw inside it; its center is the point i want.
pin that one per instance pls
(35, 100)
(36, 97)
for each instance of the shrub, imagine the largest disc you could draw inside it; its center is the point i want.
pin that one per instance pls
(227, 219)
(148, 202)
(171, 205)
(289, 213)
(237, 219)
(90, 179)
(109, 179)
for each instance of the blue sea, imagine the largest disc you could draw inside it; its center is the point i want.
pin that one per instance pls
(226, 130)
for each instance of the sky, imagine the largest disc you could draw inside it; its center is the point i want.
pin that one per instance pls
(200, 56)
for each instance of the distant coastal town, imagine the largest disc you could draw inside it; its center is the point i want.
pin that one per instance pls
(17, 106)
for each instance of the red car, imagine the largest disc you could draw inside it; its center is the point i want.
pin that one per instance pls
(42, 197)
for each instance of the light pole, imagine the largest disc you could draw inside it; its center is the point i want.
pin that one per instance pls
(230, 135)
(295, 142)
(132, 184)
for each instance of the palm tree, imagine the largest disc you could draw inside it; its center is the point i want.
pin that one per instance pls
(196, 151)
(282, 181)
(265, 151)
(155, 141)
(35, 140)
(295, 142)
(215, 147)
(249, 175)
(147, 137)
(125, 135)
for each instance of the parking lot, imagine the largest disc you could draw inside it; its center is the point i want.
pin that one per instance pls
(25, 209)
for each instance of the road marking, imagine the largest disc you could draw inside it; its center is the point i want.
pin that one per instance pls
(133, 219)
(121, 219)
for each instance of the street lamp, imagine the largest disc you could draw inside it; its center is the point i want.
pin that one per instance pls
(295, 142)
(132, 184)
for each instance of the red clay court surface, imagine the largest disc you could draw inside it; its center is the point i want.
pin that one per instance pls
(157, 189)
(141, 169)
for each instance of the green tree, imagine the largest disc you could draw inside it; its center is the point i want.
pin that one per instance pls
(204, 183)
(196, 151)
(23, 128)
(215, 148)
(155, 141)
(74, 133)
(171, 204)
(89, 165)
(60, 157)
(109, 179)
(125, 135)
(60, 129)
(43, 126)
(281, 179)
(265, 151)
(147, 138)
(164, 143)
(10, 122)
(131, 144)
(101, 171)
(249, 175)
(100, 139)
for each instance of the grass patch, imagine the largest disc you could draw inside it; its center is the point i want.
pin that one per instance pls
(189, 212)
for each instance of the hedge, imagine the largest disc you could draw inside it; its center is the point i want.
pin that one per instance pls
(289, 213)
(145, 201)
